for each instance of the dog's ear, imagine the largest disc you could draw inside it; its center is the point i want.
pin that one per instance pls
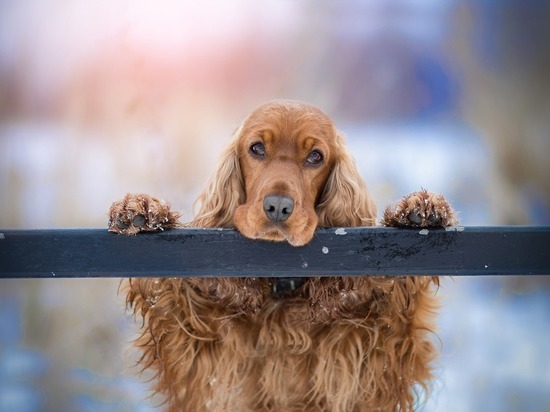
(224, 192)
(345, 200)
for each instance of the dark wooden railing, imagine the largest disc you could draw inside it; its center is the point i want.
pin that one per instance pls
(456, 251)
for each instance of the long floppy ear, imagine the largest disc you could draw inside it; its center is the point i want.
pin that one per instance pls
(345, 200)
(224, 192)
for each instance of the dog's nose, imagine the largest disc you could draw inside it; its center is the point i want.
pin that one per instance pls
(278, 208)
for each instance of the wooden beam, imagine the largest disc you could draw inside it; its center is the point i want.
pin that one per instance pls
(457, 251)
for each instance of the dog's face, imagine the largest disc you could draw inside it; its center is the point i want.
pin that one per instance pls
(286, 153)
(286, 172)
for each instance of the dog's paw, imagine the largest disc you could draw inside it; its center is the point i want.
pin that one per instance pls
(420, 209)
(140, 213)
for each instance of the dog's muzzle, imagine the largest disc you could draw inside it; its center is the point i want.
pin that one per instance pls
(285, 287)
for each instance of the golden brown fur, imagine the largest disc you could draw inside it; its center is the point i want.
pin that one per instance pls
(338, 343)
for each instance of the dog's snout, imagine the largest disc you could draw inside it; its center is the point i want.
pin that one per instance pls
(278, 208)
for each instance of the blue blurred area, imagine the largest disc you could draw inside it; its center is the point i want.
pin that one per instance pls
(20, 368)
(124, 393)
(494, 347)
(26, 374)
(421, 157)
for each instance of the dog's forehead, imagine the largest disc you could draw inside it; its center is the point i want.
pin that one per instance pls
(290, 121)
(293, 114)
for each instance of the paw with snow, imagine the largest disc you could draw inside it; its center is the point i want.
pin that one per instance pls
(420, 209)
(140, 213)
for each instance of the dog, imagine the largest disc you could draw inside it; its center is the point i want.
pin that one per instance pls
(295, 344)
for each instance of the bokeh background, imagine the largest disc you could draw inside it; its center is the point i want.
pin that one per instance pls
(102, 98)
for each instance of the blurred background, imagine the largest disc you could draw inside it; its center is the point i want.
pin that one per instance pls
(102, 98)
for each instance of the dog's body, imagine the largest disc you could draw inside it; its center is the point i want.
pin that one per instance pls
(259, 344)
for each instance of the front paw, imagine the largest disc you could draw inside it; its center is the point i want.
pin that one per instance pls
(420, 209)
(140, 213)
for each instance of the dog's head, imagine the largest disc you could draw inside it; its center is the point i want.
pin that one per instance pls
(286, 172)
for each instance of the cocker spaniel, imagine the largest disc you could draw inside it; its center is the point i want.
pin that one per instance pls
(299, 344)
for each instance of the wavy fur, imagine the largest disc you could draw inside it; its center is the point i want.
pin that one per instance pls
(341, 344)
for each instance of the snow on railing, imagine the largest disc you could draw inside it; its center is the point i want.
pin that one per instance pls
(456, 251)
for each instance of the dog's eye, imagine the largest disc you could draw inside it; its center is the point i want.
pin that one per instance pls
(314, 158)
(257, 149)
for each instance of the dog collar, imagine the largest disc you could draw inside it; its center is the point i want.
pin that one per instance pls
(285, 287)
